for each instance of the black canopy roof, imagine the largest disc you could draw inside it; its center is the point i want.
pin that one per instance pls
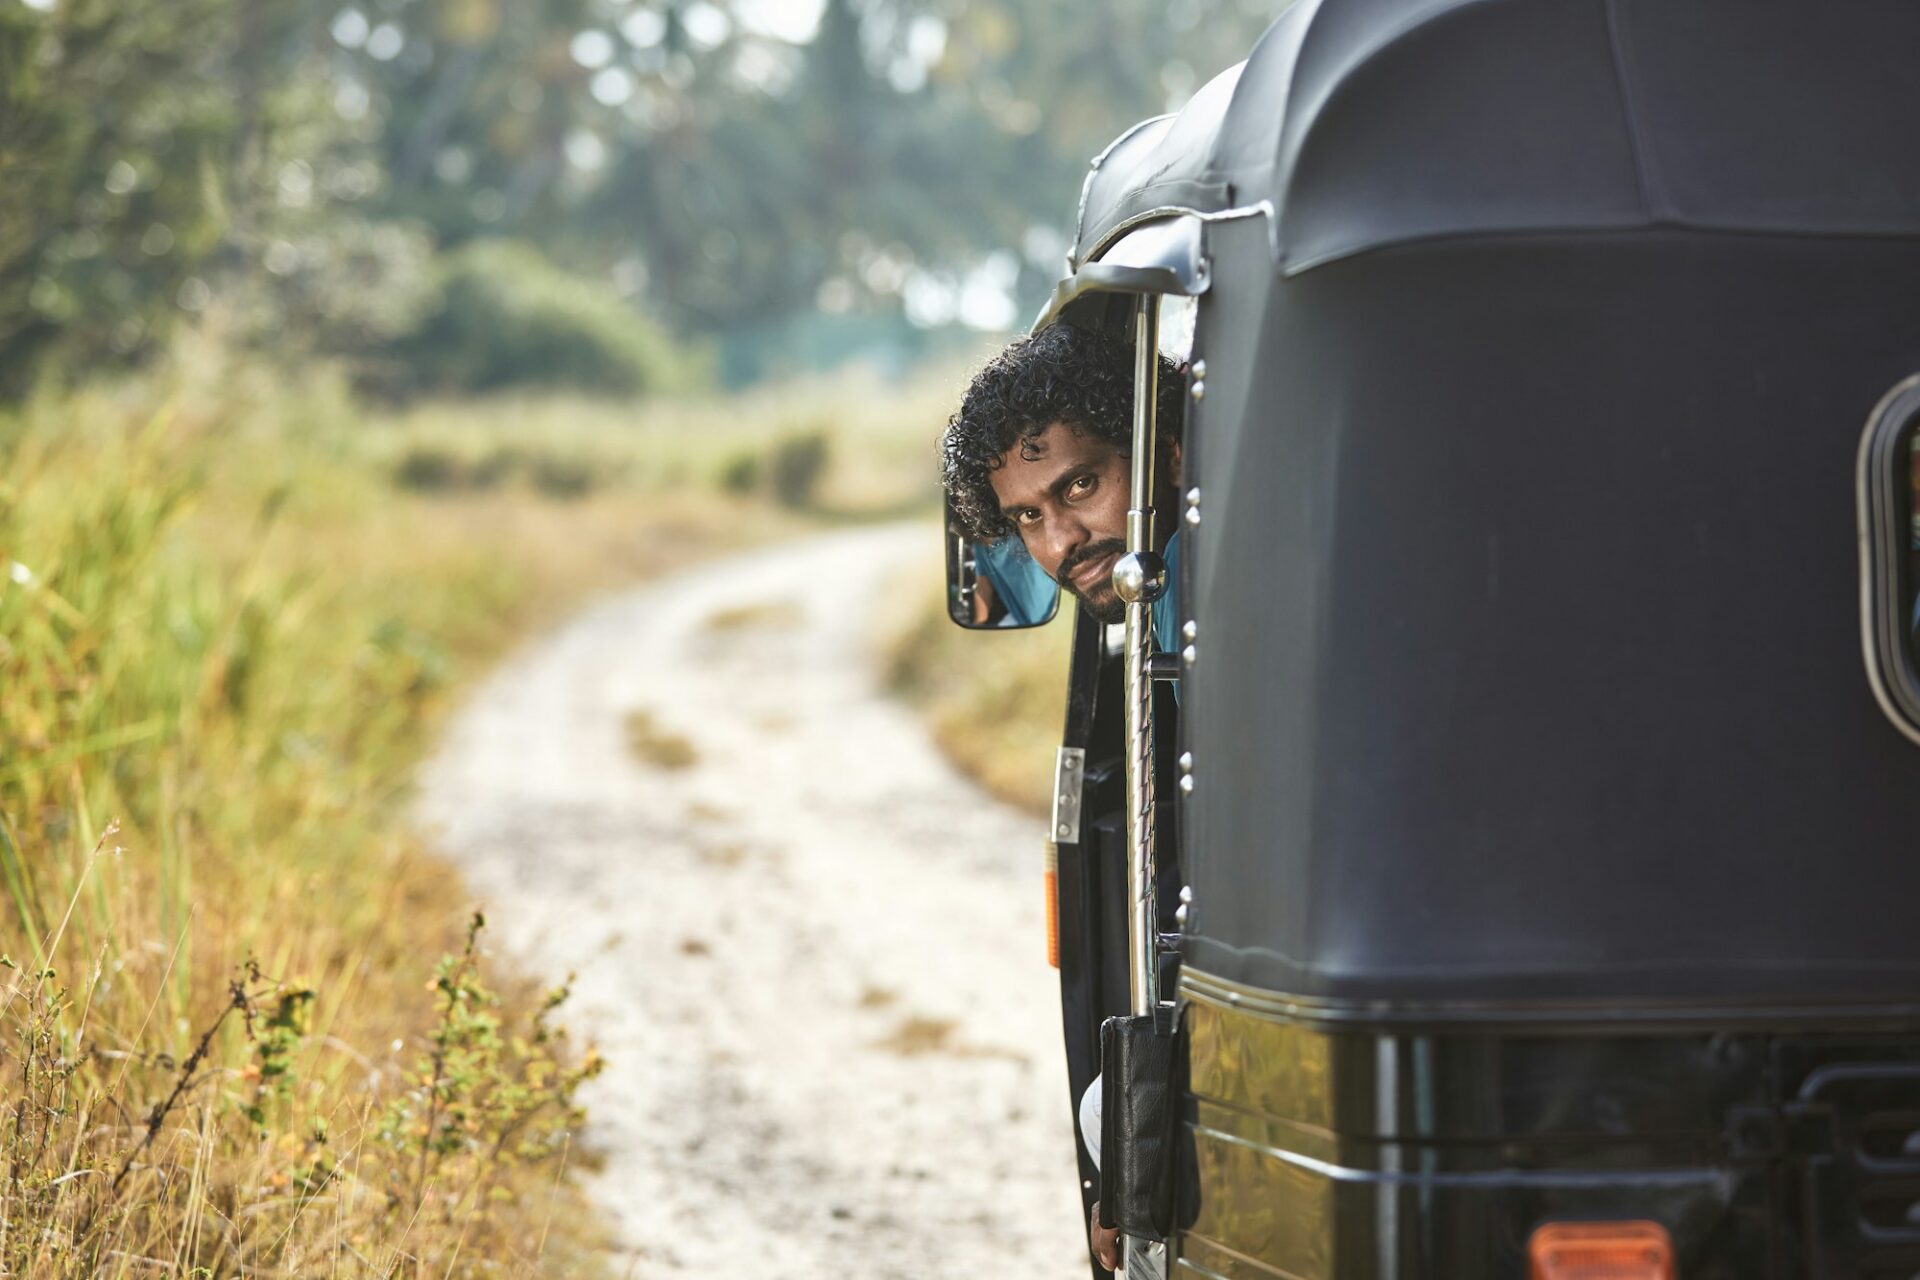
(1526, 580)
(1367, 123)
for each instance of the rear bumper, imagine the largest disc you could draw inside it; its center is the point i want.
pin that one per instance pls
(1315, 1150)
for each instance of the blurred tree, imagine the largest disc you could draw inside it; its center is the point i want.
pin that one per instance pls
(507, 317)
(724, 163)
(147, 151)
(905, 138)
(112, 143)
(475, 101)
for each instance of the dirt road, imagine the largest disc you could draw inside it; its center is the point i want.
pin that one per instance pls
(814, 955)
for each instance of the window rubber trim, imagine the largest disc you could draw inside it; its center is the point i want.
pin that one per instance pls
(1885, 530)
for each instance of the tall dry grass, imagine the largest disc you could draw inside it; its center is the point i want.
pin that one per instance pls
(247, 1025)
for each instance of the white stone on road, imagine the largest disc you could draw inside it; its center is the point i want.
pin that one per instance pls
(814, 956)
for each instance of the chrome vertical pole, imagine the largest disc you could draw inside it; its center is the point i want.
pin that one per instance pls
(1139, 579)
(1139, 584)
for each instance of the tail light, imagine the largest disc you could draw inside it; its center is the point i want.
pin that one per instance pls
(1600, 1251)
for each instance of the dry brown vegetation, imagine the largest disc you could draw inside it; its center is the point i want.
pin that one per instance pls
(657, 746)
(994, 699)
(251, 1029)
(771, 615)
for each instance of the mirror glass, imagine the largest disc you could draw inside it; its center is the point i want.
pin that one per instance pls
(994, 585)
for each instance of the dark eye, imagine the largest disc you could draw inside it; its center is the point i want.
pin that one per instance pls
(1029, 516)
(1081, 486)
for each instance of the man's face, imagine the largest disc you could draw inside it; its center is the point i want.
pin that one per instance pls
(1066, 493)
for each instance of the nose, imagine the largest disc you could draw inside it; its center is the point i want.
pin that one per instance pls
(1065, 534)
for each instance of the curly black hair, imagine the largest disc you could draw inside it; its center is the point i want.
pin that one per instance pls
(1081, 377)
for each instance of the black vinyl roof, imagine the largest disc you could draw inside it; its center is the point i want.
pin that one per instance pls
(1526, 579)
(1368, 123)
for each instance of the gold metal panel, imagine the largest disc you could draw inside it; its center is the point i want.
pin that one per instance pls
(1266, 1211)
(1264, 1143)
(1259, 1064)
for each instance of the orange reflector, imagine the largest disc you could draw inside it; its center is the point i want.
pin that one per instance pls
(1052, 877)
(1053, 919)
(1600, 1251)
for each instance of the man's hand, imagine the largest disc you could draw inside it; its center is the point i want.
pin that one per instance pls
(1104, 1240)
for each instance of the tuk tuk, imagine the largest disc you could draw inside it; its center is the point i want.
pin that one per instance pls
(1516, 871)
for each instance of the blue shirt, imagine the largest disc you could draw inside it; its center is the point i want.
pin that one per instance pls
(1018, 582)
(1029, 594)
(1166, 610)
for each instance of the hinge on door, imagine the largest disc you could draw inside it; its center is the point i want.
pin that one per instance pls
(1068, 774)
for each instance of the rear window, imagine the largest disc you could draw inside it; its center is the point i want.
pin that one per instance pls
(1890, 554)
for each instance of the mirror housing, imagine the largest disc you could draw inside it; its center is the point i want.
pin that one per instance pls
(995, 586)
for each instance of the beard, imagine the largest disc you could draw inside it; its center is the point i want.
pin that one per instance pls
(1102, 601)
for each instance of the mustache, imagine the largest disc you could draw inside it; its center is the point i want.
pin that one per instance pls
(1092, 551)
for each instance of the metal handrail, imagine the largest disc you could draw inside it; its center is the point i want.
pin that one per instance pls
(1139, 581)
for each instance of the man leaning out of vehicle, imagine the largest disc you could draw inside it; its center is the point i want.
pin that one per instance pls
(1041, 449)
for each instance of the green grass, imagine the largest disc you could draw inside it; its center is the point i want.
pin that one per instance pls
(232, 616)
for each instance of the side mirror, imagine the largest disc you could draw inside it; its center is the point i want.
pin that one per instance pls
(995, 585)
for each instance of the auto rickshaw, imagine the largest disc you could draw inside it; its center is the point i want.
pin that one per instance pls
(1525, 881)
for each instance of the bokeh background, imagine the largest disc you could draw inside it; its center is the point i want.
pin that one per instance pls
(728, 189)
(344, 348)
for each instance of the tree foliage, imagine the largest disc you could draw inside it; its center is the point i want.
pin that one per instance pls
(507, 317)
(719, 163)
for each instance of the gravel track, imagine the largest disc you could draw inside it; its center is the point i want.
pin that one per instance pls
(812, 953)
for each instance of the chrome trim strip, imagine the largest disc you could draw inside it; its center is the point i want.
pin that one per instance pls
(1878, 519)
(1186, 272)
(1243, 1263)
(1610, 1016)
(1120, 229)
(1184, 1263)
(1709, 1175)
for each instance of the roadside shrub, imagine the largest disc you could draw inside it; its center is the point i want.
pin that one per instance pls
(507, 317)
(563, 477)
(740, 474)
(796, 464)
(488, 1095)
(434, 1154)
(427, 467)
